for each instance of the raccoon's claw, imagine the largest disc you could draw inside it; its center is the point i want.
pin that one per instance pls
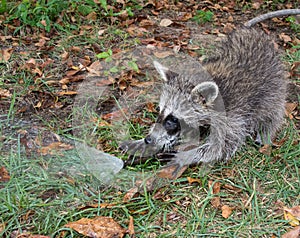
(165, 157)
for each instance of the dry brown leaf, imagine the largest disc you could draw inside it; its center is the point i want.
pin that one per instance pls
(115, 115)
(136, 31)
(294, 233)
(65, 55)
(28, 235)
(193, 180)
(100, 227)
(72, 72)
(165, 22)
(130, 194)
(67, 93)
(75, 48)
(289, 108)
(5, 54)
(216, 202)
(256, 5)
(163, 54)
(97, 205)
(131, 226)
(146, 22)
(95, 68)
(216, 186)
(92, 16)
(171, 171)
(285, 38)
(4, 175)
(55, 146)
(232, 188)
(226, 211)
(4, 93)
(106, 82)
(2, 227)
(186, 16)
(151, 107)
(266, 149)
(41, 43)
(292, 215)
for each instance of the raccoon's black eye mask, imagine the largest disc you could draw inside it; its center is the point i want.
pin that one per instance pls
(171, 124)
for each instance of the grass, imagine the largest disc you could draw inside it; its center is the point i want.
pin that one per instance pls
(45, 192)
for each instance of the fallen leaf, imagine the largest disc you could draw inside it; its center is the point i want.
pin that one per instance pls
(146, 22)
(232, 188)
(131, 226)
(163, 54)
(4, 93)
(65, 55)
(97, 205)
(2, 227)
(151, 107)
(105, 82)
(29, 235)
(285, 38)
(292, 215)
(266, 149)
(67, 93)
(171, 171)
(256, 5)
(289, 108)
(215, 201)
(216, 186)
(43, 22)
(75, 48)
(115, 115)
(55, 146)
(193, 180)
(165, 22)
(5, 54)
(41, 43)
(92, 16)
(186, 16)
(4, 175)
(294, 233)
(130, 194)
(226, 211)
(100, 227)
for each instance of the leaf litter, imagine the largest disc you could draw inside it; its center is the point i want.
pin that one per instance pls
(76, 73)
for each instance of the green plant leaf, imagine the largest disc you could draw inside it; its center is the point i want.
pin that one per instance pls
(133, 66)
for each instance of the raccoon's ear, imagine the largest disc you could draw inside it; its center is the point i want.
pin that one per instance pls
(167, 75)
(206, 91)
(162, 70)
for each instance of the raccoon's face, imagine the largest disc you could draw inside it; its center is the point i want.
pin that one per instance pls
(182, 109)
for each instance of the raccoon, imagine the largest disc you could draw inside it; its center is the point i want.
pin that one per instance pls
(238, 92)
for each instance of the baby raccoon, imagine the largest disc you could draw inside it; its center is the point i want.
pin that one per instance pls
(239, 91)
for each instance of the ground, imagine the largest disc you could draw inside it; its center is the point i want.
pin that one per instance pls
(44, 181)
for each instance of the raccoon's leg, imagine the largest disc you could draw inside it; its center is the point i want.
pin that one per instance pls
(225, 138)
(268, 128)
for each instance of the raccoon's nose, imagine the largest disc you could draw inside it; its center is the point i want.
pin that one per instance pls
(148, 140)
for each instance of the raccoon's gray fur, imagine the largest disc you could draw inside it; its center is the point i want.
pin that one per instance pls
(240, 92)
